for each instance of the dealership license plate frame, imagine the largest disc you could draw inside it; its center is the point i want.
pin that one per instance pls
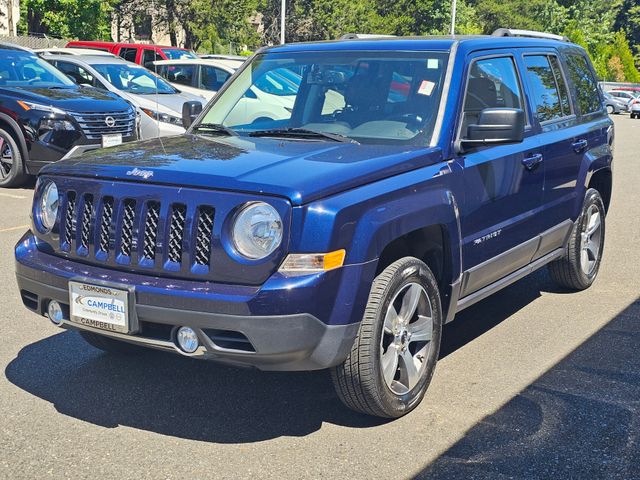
(126, 292)
(111, 140)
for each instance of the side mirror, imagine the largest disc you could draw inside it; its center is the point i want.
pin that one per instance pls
(190, 111)
(496, 126)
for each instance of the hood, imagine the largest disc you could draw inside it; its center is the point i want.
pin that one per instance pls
(74, 99)
(301, 171)
(166, 103)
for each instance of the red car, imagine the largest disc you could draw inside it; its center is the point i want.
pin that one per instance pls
(135, 52)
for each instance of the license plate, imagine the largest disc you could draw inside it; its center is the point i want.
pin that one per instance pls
(111, 140)
(98, 306)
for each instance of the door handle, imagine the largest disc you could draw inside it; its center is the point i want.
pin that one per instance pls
(532, 162)
(580, 145)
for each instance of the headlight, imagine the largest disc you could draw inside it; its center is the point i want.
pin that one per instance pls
(48, 206)
(163, 117)
(257, 230)
(40, 107)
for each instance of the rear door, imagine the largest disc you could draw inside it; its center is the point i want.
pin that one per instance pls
(569, 111)
(503, 184)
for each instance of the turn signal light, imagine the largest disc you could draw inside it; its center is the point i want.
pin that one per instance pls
(302, 263)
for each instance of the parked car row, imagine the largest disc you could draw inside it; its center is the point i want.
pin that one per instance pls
(623, 100)
(45, 116)
(59, 102)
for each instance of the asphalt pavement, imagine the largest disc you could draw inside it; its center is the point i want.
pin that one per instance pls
(534, 382)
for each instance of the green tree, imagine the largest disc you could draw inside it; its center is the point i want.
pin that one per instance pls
(86, 19)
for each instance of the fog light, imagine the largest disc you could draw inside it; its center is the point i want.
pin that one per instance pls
(187, 339)
(54, 312)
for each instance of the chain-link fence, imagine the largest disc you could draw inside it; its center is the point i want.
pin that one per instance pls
(33, 42)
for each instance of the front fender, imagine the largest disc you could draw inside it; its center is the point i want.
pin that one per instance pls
(363, 221)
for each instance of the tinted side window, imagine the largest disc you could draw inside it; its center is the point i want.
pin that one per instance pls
(563, 91)
(586, 86)
(546, 98)
(212, 78)
(493, 83)
(182, 74)
(79, 74)
(129, 54)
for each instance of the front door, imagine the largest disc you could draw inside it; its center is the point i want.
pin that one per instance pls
(503, 184)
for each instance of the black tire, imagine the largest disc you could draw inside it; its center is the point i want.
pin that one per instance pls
(359, 381)
(110, 345)
(568, 271)
(12, 173)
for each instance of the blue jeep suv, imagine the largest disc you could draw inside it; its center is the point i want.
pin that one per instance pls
(403, 180)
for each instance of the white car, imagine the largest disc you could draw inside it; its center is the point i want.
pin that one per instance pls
(270, 97)
(71, 51)
(159, 104)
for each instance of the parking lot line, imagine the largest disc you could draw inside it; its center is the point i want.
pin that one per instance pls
(10, 195)
(10, 229)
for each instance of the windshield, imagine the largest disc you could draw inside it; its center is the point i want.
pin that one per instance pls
(371, 97)
(132, 79)
(25, 70)
(177, 54)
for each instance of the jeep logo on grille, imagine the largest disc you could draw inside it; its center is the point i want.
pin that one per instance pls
(110, 122)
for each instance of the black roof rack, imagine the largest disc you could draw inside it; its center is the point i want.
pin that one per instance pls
(510, 32)
(355, 36)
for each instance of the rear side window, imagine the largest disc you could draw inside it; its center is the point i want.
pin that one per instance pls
(129, 54)
(550, 97)
(585, 83)
(212, 78)
(149, 56)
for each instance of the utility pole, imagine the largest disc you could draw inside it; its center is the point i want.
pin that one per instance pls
(453, 17)
(282, 15)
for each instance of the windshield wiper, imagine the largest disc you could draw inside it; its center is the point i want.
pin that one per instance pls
(303, 133)
(214, 128)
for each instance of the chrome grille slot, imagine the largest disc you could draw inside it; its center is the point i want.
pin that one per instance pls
(176, 232)
(105, 224)
(94, 125)
(202, 252)
(151, 230)
(70, 218)
(126, 233)
(86, 221)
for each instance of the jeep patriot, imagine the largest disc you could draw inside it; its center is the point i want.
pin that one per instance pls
(409, 179)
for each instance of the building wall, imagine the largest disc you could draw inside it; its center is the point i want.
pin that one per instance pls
(9, 16)
(142, 26)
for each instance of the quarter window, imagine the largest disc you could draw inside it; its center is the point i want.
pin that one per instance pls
(587, 93)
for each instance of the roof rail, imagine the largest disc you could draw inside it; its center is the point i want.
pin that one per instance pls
(510, 32)
(354, 36)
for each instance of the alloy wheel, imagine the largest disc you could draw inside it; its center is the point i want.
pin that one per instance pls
(6, 158)
(406, 338)
(590, 240)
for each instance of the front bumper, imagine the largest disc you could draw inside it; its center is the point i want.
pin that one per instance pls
(237, 330)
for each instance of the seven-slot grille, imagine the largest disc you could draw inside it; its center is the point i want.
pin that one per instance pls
(95, 125)
(140, 222)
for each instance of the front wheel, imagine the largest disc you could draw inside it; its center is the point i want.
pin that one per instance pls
(610, 110)
(394, 355)
(12, 172)
(578, 269)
